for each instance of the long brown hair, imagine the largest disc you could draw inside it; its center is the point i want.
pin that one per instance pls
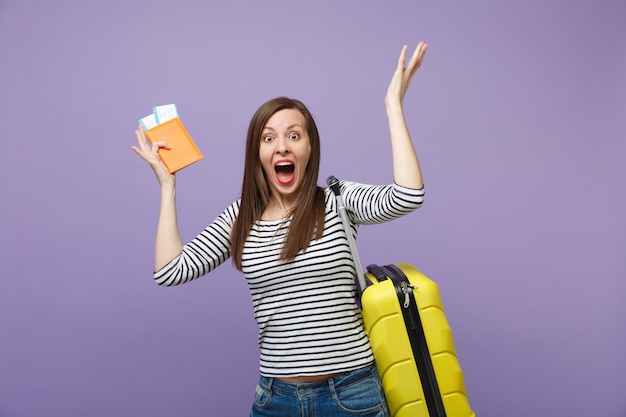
(307, 216)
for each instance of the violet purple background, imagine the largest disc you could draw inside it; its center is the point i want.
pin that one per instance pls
(517, 115)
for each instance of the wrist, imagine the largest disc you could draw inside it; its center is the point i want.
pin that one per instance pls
(394, 111)
(168, 188)
(393, 105)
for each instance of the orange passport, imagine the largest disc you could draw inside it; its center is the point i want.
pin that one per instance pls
(183, 150)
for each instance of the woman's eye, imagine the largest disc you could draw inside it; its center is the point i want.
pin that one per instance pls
(294, 136)
(267, 138)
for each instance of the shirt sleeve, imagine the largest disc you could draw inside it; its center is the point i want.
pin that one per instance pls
(204, 253)
(374, 204)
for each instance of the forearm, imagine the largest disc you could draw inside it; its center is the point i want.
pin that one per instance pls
(202, 254)
(406, 166)
(168, 244)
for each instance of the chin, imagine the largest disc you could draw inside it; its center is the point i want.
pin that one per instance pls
(286, 190)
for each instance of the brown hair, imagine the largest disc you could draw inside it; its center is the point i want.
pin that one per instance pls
(307, 221)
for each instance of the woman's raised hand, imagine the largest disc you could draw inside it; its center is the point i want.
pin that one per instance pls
(168, 243)
(403, 74)
(150, 153)
(406, 166)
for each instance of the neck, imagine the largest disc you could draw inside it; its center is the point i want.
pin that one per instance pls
(279, 208)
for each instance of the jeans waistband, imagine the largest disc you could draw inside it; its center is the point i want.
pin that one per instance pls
(321, 387)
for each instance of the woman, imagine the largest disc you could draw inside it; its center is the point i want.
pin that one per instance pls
(285, 235)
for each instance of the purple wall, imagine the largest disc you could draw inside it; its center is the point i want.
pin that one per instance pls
(517, 115)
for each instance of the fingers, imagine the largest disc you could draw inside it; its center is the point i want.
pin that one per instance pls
(414, 62)
(145, 145)
(417, 57)
(403, 74)
(158, 145)
(149, 152)
(402, 58)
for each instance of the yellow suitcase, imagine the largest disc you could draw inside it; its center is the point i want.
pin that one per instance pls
(410, 336)
(412, 343)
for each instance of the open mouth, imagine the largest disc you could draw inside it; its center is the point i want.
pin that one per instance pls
(285, 172)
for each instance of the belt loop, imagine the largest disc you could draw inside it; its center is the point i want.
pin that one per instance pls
(331, 385)
(270, 381)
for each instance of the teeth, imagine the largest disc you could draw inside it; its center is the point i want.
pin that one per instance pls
(284, 164)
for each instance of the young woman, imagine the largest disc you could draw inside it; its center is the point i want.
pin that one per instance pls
(285, 235)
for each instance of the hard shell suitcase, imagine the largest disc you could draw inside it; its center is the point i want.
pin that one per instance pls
(410, 337)
(412, 344)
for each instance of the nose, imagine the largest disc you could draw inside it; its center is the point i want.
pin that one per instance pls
(282, 146)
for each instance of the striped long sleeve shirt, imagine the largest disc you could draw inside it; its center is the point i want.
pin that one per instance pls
(308, 321)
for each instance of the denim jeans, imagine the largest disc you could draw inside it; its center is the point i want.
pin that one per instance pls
(355, 393)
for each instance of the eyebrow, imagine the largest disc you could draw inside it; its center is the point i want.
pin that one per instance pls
(288, 127)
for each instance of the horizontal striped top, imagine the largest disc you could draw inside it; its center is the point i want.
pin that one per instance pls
(308, 321)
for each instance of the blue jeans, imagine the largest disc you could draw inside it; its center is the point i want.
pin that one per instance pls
(355, 393)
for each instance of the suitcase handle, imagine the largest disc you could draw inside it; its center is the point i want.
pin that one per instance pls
(378, 272)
